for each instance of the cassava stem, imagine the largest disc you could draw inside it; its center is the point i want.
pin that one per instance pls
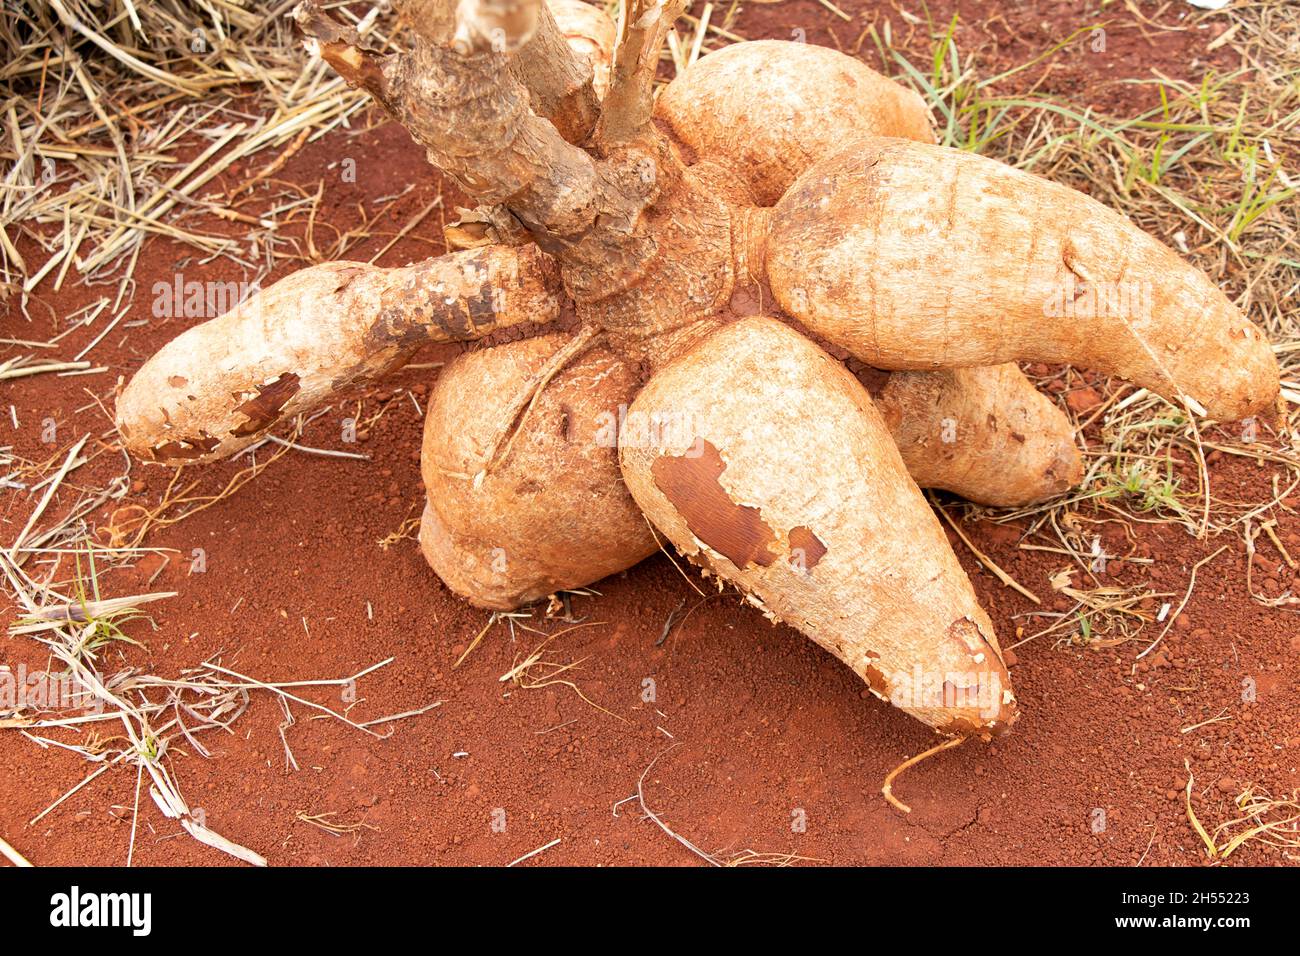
(563, 83)
(500, 26)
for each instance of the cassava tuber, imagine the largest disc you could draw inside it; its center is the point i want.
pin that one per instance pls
(555, 514)
(914, 256)
(765, 110)
(814, 517)
(984, 433)
(219, 386)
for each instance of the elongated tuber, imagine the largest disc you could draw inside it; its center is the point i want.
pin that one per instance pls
(768, 108)
(556, 515)
(814, 517)
(918, 257)
(219, 386)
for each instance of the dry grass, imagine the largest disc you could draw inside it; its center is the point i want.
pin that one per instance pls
(1271, 823)
(117, 114)
(720, 858)
(536, 670)
(156, 715)
(115, 716)
(1267, 821)
(327, 821)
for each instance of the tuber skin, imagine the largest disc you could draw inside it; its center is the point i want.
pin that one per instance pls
(914, 256)
(768, 108)
(557, 516)
(907, 255)
(984, 433)
(834, 539)
(220, 386)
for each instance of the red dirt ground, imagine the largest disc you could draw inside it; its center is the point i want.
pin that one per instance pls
(761, 723)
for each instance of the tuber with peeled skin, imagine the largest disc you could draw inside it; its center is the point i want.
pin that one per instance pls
(219, 386)
(835, 540)
(674, 285)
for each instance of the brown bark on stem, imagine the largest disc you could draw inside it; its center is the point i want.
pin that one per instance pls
(630, 101)
(434, 20)
(560, 84)
(473, 117)
(614, 224)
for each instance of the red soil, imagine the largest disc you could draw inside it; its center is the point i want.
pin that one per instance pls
(764, 728)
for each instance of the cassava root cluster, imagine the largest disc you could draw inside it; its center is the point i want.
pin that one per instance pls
(688, 280)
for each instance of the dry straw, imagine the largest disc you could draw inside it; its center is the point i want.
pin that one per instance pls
(117, 114)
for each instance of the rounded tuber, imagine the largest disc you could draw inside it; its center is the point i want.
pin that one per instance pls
(554, 514)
